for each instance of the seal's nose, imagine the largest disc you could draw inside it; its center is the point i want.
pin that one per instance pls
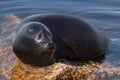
(50, 45)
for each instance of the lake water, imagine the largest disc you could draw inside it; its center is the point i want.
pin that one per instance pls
(104, 14)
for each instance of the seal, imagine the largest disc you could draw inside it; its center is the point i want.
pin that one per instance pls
(42, 39)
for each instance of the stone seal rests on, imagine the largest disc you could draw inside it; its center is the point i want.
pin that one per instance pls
(42, 39)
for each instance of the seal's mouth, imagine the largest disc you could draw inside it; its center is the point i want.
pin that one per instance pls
(50, 51)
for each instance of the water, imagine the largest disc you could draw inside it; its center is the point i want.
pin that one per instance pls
(104, 14)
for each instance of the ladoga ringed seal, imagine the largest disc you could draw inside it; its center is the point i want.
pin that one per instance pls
(42, 39)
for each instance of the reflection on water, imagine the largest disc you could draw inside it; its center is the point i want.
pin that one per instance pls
(102, 14)
(7, 34)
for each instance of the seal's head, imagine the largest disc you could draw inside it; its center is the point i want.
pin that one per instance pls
(33, 44)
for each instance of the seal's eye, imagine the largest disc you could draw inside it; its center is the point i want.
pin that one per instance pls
(39, 36)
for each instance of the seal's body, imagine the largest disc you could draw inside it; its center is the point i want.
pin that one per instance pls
(42, 39)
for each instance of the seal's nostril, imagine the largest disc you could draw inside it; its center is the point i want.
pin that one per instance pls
(50, 45)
